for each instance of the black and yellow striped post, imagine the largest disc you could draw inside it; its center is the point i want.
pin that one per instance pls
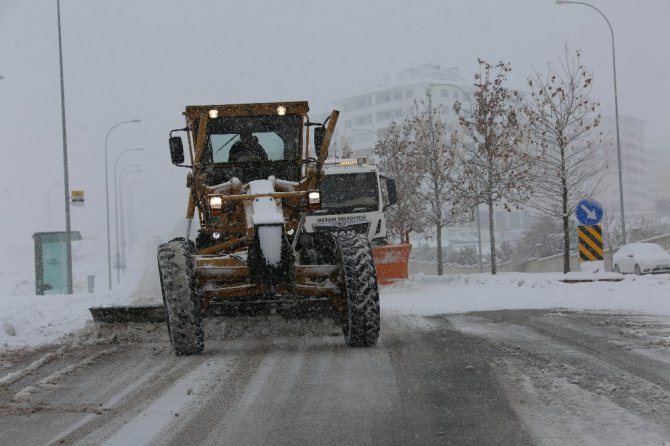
(590, 242)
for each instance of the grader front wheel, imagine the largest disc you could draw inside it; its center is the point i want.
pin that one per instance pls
(184, 321)
(361, 315)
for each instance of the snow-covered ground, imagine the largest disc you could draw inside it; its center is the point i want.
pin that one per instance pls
(29, 320)
(428, 295)
(570, 375)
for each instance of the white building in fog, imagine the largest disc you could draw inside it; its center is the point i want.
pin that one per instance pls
(365, 117)
(659, 158)
(638, 170)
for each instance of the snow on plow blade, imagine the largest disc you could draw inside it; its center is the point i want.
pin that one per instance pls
(149, 313)
(391, 262)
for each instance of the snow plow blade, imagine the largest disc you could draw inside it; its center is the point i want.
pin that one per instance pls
(149, 313)
(391, 262)
(287, 308)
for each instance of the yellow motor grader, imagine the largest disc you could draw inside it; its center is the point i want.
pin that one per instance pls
(252, 252)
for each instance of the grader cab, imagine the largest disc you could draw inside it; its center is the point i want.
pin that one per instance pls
(251, 252)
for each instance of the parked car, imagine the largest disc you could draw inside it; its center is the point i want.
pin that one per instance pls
(641, 258)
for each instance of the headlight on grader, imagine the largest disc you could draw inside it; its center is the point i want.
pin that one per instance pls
(314, 200)
(215, 202)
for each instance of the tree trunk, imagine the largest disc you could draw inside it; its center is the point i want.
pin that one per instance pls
(566, 218)
(492, 236)
(439, 250)
(566, 244)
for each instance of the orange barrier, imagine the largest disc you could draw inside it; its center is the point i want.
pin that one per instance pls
(391, 262)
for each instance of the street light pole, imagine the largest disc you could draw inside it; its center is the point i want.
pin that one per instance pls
(109, 243)
(66, 183)
(616, 114)
(116, 208)
(122, 214)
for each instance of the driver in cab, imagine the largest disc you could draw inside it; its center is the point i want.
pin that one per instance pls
(247, 149)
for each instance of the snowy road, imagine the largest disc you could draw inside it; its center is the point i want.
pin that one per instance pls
(500, 377)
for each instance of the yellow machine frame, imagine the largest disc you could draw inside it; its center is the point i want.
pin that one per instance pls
(222, 276)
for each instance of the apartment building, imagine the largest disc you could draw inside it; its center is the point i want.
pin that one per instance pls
(365, 117)
(638, 171)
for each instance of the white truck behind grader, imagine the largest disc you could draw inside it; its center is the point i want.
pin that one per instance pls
(354, 197)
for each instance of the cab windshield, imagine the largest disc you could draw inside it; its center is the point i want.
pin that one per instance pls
(352, 192)
(279, 136)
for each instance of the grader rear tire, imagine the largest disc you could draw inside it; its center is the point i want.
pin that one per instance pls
(184, 321)
(361, 318)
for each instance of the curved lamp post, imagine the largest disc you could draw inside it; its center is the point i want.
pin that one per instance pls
(109, 244)
(116, 206)
(616, 113)
(122, 214)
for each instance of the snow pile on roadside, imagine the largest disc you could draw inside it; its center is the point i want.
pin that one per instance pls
(429, 295)
(28, 320)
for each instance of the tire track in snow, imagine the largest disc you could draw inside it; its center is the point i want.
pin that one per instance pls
(176, 403)
(571, 381)
(130, 401)
(51, 380)
(13, 377)
(224, 394)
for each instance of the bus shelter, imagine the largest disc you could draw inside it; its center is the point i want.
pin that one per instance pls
(51, 269)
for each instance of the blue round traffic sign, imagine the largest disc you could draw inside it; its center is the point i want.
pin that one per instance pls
(589, 212)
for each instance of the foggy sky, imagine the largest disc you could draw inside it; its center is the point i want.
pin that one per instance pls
(148, 59)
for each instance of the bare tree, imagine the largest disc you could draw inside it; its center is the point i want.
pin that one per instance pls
(421, 151)
(644, 228)
(347, 151)
(434, 149)
(495, 166)
(394, 152)
(563, 126)
(543, 238)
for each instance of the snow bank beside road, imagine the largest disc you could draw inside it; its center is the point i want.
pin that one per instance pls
(33, 320)
(30, 320)
(429, 295)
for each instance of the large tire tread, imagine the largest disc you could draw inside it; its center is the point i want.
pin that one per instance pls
(361, 321)
(184, 320)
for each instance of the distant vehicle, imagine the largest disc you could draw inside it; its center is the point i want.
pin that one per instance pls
(641, 258)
